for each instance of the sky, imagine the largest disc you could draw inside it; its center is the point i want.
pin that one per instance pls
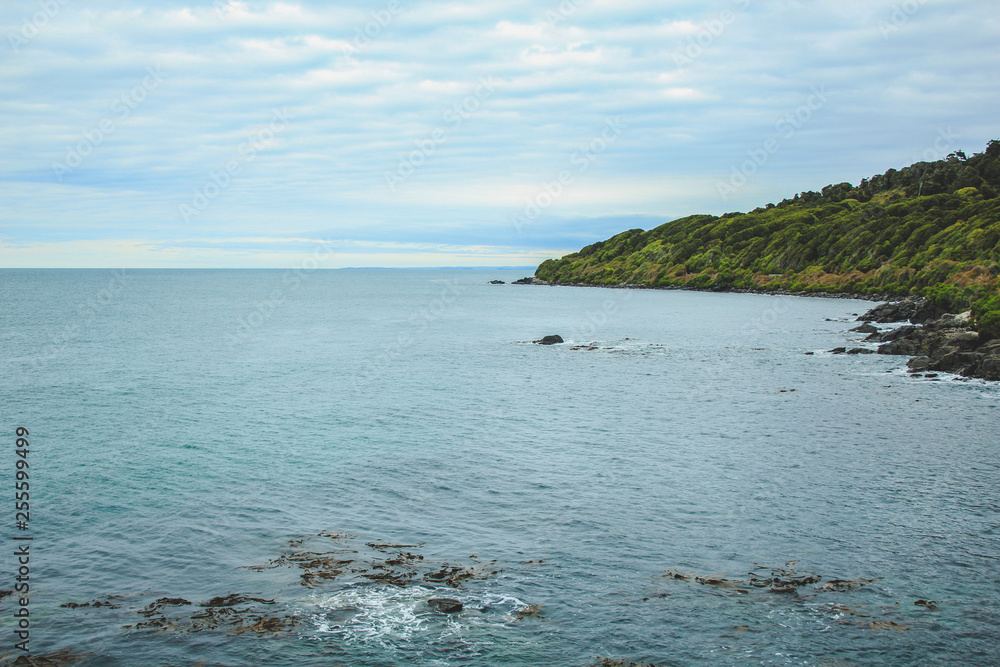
(409, 133)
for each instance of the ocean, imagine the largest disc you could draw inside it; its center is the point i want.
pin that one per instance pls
(282, 467)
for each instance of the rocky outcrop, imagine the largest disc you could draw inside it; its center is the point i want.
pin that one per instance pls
(549, 340)
(497, 282)
(913, 309)
(945, 345)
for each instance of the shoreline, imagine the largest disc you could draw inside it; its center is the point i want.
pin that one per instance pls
(934, 341)
(881, 298)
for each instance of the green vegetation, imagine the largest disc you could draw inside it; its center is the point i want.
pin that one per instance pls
(930, 229)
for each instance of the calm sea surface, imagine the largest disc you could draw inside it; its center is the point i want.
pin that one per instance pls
(196, 434)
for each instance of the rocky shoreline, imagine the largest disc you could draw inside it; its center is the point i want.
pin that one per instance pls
(935, 342)
(683, 288)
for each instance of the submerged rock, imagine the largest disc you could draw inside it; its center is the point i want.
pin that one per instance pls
(446, 605)
(497, 282)
(61, 658)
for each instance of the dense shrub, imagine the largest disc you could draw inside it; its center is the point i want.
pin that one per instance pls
(931, 228)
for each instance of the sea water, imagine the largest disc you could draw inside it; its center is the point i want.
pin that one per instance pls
(188, 429)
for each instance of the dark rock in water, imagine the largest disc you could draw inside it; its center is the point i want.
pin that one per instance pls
(497, 282)
(861, 350)
(838, 350)
(60, 658)
(809, 354)
(446, 605)
(550, 340)
(524, 281)
(865, 329)
(944, 345)
(33, 661)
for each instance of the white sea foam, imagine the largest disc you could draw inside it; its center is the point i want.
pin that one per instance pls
(388, 615)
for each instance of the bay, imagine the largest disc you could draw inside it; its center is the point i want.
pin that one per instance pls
(188, 424)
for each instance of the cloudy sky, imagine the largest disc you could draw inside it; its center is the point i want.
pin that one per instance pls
(440, 133)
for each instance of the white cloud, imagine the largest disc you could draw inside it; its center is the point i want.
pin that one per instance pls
(362, 100)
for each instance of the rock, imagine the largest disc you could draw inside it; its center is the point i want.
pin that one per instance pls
(988, 368)
(446, 605)
(861, 350)
(907, 331)
(990, 347)
(33, 661)
(524, 281)
(897, 311)
(865, 329)
(903, 346)
(60, 658)
(497, 282)
(949, 321)
(954, 361)
(549, 340)
(838, 350)
(963, 340)
(925, 311)
(918, 364)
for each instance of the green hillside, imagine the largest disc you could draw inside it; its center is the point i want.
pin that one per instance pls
(932, 228)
